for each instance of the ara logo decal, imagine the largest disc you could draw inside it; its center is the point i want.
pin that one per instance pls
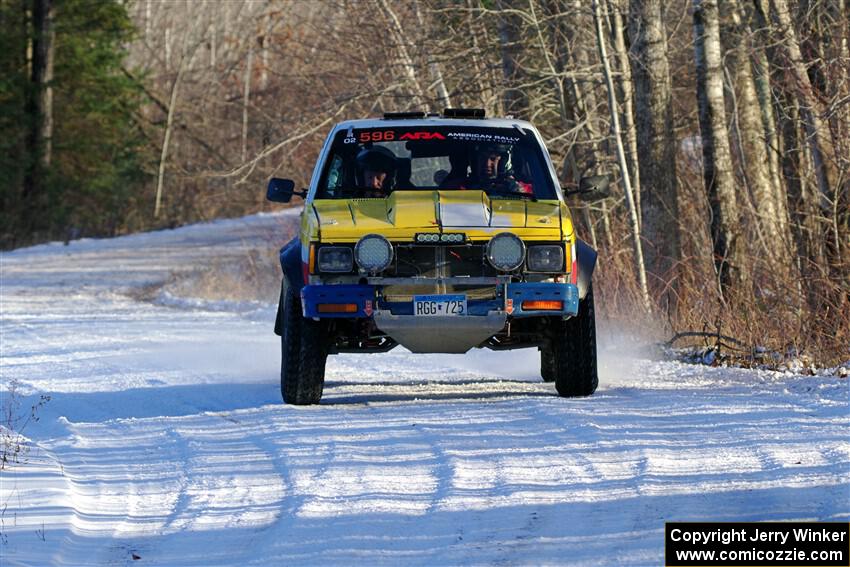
(509, 306)
(367, 308)
(422, 136)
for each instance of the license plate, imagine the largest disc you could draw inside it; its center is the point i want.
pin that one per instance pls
(439, 305)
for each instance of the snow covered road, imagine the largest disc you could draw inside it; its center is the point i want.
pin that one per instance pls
(165, 437)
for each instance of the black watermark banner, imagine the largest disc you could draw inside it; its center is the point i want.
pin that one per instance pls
(757, 544)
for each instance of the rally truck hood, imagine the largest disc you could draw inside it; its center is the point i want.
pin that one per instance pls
(404, 213)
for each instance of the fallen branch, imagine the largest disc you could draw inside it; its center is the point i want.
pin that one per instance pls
(704, 334)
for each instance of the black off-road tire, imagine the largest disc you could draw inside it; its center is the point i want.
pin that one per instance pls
(303, 354)
(548, 370)
(574, 345)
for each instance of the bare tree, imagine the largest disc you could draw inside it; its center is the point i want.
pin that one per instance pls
(775, 244)
(189, 46)
(510, 43)
(626, 96)
(246, 96)
(809, 105)
(433, 65)
(653, 98)
(729, 257)
(405, 62)
(621, 157)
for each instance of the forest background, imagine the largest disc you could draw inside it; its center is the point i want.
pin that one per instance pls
(725, 127)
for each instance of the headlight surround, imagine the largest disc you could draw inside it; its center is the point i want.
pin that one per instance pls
(546, 258)
(505, 252)
(373, 253)
(336, 259)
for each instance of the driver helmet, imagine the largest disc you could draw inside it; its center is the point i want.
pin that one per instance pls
(377, 158)
(493, 148)
(484, 149)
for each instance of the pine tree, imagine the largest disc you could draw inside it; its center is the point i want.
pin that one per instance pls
(96, 150)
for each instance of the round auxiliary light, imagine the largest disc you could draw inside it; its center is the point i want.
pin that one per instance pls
(373, 253)
(505, 252)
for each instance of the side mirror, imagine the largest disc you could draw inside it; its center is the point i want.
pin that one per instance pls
(591, 188)
(282, 190)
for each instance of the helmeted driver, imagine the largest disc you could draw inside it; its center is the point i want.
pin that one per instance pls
(489, 158)
(490, 171)
(377, 167)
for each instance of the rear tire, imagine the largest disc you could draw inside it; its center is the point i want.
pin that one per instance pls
(303, 354)
(574, 346)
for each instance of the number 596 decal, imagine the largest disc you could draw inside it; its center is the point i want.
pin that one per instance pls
(377, 136)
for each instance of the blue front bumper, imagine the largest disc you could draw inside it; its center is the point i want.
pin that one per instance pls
(366, 298)
(362, 296)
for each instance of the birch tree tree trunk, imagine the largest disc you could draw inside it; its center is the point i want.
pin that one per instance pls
(627, 98)
(729, 256)
(621, 156)
(166, 140)
(762, 82)
(434, 67)
(189, 45)
(405, 61)
(655, 141)
(484, 74)
(587, 103)
(826, 235)
(246, 97)
(815, 133)
(754, 153)
(510, 44)
(769, 117)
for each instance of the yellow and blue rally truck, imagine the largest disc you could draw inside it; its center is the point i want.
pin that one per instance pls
(440, 233)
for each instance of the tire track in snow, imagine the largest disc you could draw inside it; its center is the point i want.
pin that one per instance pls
(112, 500)
(181, 503)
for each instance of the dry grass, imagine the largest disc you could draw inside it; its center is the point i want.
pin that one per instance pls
(782, 319)
(254, 276)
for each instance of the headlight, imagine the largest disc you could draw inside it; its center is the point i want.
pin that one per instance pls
(549, 258)
(335, 259)
(373, 253)
(505, 252)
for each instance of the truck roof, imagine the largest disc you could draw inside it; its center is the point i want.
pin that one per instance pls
(434, 121)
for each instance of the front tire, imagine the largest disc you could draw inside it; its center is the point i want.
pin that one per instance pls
(304, 352)
(574, 346)
(548, 369)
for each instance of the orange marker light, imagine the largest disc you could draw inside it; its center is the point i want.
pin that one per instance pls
(337, 308)
(312, 258)
(542, 305)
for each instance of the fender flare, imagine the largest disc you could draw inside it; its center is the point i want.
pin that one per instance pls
(586, 258)
(293, 276)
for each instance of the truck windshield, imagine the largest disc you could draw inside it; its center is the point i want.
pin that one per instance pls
(373, 162)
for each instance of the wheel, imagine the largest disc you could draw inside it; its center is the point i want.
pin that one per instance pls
(574, 346)
(547, 364)
(304, 351)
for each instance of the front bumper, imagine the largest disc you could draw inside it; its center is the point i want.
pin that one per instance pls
(512, 299)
